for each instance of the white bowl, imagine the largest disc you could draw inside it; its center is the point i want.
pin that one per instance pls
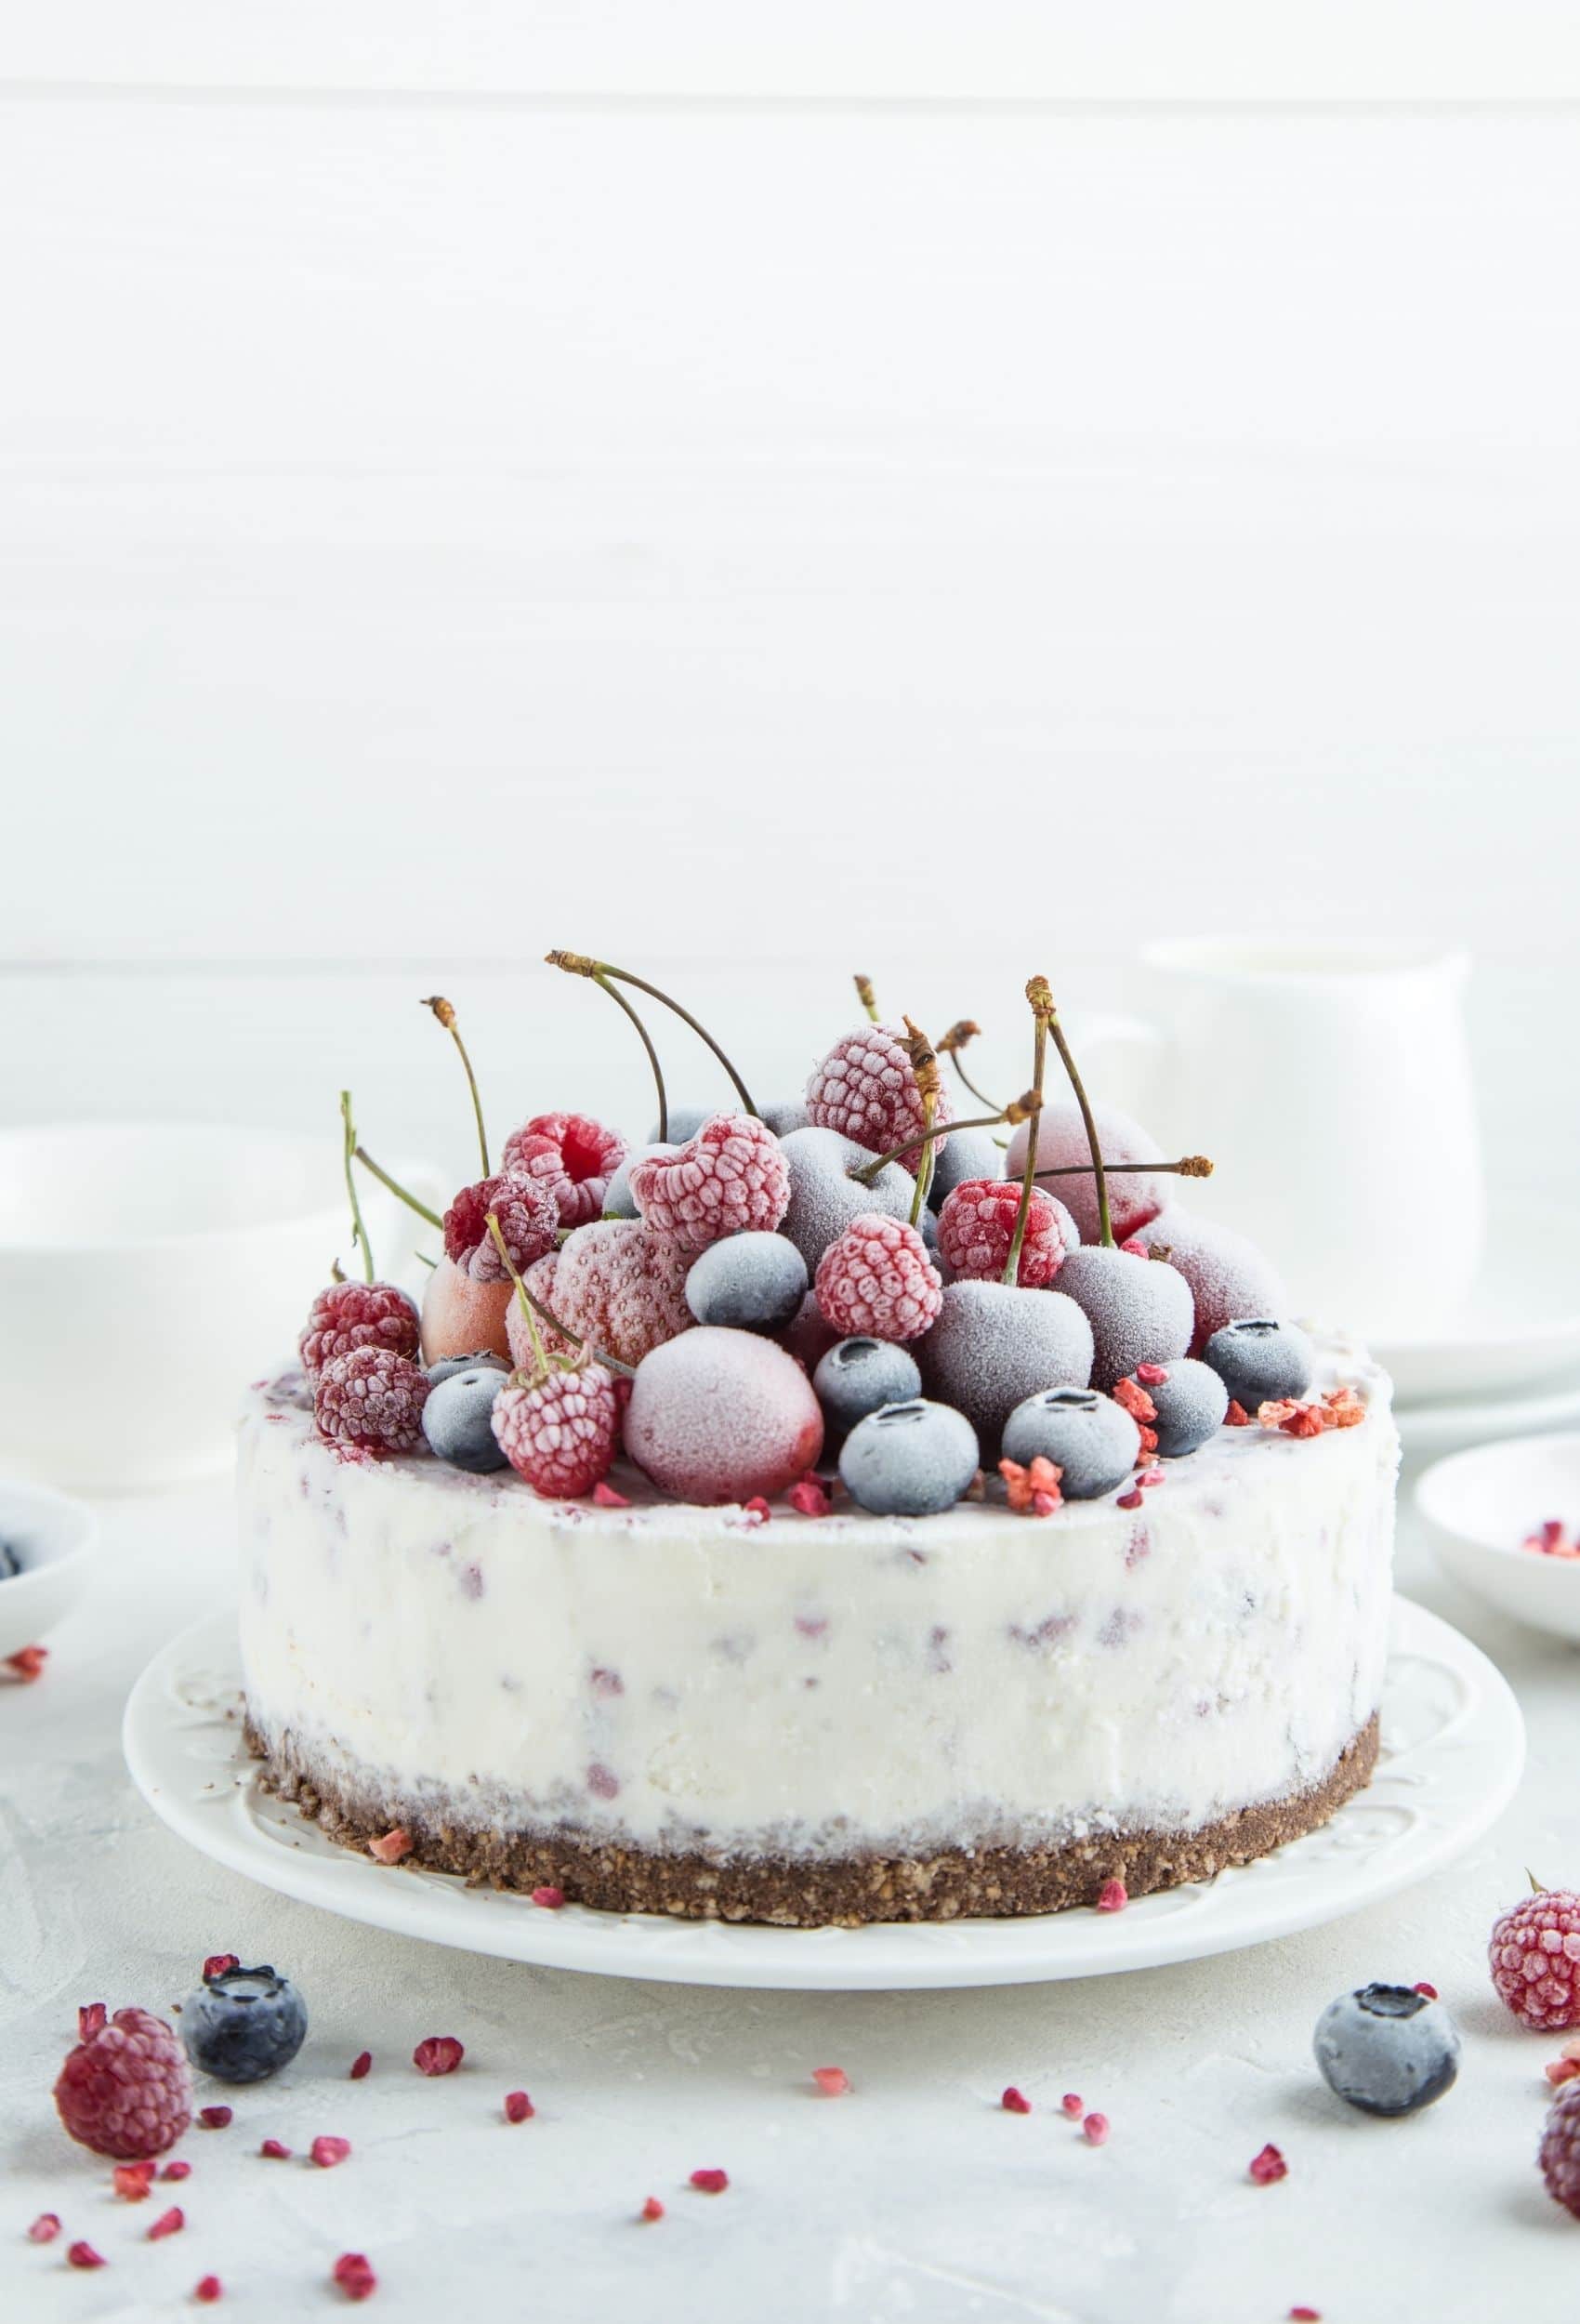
(52, 1540)
(1480, 1505)
(148, 1271)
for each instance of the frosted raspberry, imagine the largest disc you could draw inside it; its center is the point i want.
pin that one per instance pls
(976, 1227)
(722, 1415)
(562, 1433)
(1560, 2152)
(126, 2089)
(1535, 1955)
(529, 1220)
(571, 1155)
(865, 1089)
(730, 1176)
(878, 1280)
(541, 1279)
(347, 1315)
(622, 1287)
(1134, 1198)
(371, 1398)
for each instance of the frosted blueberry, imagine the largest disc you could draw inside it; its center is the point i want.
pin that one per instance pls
(458, 1417)
(754, 1280)
(684, 1122)
(1092, 1439)
(995, 1344)
(243, 2025)
(788, 1114)
(618, 1200)
(448, 1365)
(858, 1375)
(1191, 1404)
(909, 1460)
(825, 1196)
(965, 1153)
(1387, 2049)
(1139, 1309)
(1258, 1359)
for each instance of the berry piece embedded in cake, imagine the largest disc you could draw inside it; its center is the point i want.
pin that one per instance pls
(826, 1193)
(621, 1288)
(1189, 1403)
(866, 1090)
(1134, 1197)
(1090, 1439)
(994, 1345)
(877, 1279)
(1260, 1360)
(859, 1375)
(976, 1227)
(462, 1316)
(243, 2025)
(126, 2089)
(1387, 2049)
(570, 1154)
(458, 1416)
(1227, 1273)
(371, 1398)
(529, 1221)
(751, 1282)
(967, 1153)
(910, 1460)
(1139, 1309)
(730, 1176)
(1535, 1956)
(722, 1415)
(347, 1315)
(562, 1432)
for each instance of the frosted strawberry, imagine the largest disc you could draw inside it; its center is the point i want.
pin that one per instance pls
(731, 1177)
(866, 1090)
(571, 1155)
(347, 1315)
(541, 1279)
(529, 1220)
(877, 1279)
(560, 1432)
(976, 1227)
(622, 1287)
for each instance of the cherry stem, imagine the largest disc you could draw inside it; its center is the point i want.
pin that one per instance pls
(980, 1095)
(1042, 1010)
(539, 1351)
(867, 1174)
(376, 1169)
(579, 964)
(925, 1167)
(348, 1148)
(535, 1310)
(1188, 1165)
(1105, 1225)
(620, 1002)
(446, 1015)
(867, 998)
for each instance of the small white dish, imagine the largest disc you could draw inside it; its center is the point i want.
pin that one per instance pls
(1453, 1748)
(52, 1541)
(1481, 1504)
(1520, 1326)
(1429, 1431)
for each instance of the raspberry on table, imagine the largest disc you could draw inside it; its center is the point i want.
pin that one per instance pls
(865, 1089)
(1535, 1955)
(571, 1155)
(976, 1227)
(373, 1398)
(878, 1281)
(529, 1221)
(126, 2089)
(622, 1287)
(561, 1434)
(731, 1176)
(347, 1315)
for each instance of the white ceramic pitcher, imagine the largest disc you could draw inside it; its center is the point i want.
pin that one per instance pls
(1333, 1091)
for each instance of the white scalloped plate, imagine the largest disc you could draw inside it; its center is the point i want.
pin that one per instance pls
(1452, 1749)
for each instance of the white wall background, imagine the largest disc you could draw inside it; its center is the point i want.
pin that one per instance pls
(881, 500)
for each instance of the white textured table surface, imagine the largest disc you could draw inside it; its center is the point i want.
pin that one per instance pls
(916, 2197)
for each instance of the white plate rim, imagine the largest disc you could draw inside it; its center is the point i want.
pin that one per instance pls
(1483, 1744)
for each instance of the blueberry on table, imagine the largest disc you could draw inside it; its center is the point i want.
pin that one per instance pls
(1260, 1359)
(909, 1460)
(243, 2025)
(1092, 1439)
(458, 1419)
(1387, 2049)
(859, 1374)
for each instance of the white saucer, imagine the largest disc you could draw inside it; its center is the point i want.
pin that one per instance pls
(1452, 1749)
(1480, 1505)
(1519, 1327)
(1428, 1430)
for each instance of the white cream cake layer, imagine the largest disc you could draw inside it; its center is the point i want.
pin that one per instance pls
(671, 1677)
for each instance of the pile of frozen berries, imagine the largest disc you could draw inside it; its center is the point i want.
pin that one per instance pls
(855, 1280)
